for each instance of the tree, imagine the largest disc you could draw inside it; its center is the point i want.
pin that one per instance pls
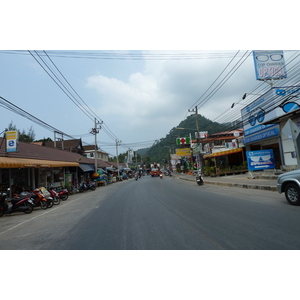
(23, 136)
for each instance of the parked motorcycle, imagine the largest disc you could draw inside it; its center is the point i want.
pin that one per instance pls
(59, 195)
(63, 194)
(47, 196)
(21, 204)
(85, 187)
(55, 196)
(39, 200)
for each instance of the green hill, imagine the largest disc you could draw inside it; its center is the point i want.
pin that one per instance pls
(161, 150)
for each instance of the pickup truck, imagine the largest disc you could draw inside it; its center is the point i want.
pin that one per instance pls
(289, 183)
(155, 172)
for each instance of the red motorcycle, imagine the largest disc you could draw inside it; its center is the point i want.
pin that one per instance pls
(22, 204)
(59, 195)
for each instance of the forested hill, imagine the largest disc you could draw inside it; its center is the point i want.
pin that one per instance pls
(160, 151)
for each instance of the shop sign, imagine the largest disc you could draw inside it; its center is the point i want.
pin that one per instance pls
(183, 141)
(261, 136)
(260, 160)
(269, 64)
(275, 103)
(11, 141)
(183, 152)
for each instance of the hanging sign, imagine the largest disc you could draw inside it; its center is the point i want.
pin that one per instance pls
(12, 141)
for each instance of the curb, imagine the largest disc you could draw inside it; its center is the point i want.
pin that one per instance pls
(239, 185)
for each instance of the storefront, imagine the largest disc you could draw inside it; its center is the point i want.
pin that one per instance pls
(225, 162)
(266, 139)
(19, 173)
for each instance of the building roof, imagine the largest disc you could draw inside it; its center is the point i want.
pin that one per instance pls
(92, 148)
(32, 151)
(74, 145)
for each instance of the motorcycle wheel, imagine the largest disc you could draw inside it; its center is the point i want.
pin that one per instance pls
(50, 203)
(30, 208)
(64, 197)
(56, 200)
(1, 212)
(93, 188)
(43, 204)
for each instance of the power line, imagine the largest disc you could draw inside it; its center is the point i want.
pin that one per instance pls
(84, 108)
(12, 107)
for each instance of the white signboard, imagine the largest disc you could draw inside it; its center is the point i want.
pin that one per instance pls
(269, 64)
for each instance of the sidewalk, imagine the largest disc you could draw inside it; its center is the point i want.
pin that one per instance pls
(245, 181)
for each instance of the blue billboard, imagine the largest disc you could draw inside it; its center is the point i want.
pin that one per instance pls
(260, 160)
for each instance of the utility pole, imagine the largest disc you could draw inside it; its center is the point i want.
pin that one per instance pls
(94, 131)
(117, 144)
(198, 136)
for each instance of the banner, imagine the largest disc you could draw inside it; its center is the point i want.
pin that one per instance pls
(269, 64)
(12, 141)
(260, 160)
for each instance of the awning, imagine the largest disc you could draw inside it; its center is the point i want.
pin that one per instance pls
(14, 162)
(221, 153)
(86, 167)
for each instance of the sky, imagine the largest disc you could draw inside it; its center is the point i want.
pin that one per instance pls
(141, 98)
(138, 95)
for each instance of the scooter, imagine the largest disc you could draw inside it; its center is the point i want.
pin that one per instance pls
(47, 196)
(22, 204)
(199, 179)
(39, 200)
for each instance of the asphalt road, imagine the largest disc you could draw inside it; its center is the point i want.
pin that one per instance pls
(154, 213)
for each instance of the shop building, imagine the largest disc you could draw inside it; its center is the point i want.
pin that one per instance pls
(272, 121)
(34, 166)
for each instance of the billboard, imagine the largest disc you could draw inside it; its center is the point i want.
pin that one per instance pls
(260, 160)
(275, 103)
(269, 64)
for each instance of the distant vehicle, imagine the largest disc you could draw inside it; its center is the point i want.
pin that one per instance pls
(289, 183)
(155, 170)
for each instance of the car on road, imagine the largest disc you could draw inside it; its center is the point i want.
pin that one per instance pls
(289, 184)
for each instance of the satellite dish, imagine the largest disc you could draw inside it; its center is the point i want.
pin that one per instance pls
(236, 134)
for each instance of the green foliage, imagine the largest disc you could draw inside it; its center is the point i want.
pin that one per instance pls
(23, 136)
(161, 149)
